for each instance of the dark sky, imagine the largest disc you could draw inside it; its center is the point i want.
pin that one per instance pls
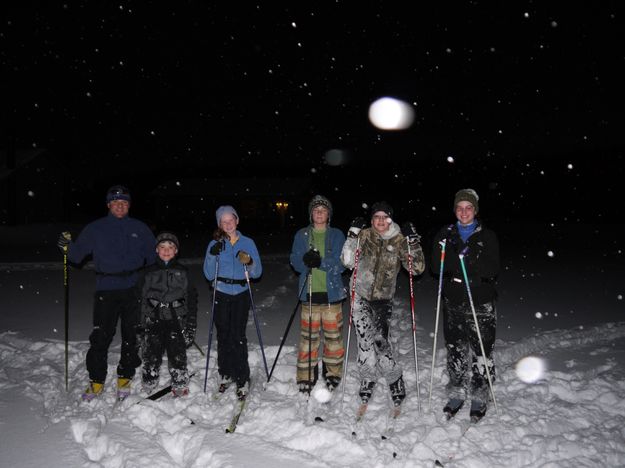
(525, 96)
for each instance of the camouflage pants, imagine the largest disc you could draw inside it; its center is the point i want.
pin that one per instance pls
(328, 317)
(462, 344)
(371, 319)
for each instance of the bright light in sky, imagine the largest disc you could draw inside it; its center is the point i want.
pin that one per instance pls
(391, 114)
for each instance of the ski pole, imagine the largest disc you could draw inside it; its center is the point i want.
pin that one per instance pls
(443, 244)
(414, 325)
(288, 327)
(210, 322)
(66, 287)
(310, 329)
(351, 314)
(198, 348)
(477, 327)
(260, 338)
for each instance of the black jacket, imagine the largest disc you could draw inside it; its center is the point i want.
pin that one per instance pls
(481, 261)
(166, 292)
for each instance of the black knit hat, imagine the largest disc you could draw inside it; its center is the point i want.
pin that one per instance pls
(168, 237)
(381, 206)
(320, 200)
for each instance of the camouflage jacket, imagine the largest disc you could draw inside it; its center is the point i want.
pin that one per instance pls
(379, 260)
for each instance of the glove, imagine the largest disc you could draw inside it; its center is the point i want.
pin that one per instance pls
(64, 240)
(312, 259)
(219, 234)
(216, 248)
(244, 257)
(189, 336)
(410, 232)
(357, 224)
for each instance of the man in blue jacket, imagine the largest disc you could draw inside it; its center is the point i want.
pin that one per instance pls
(316, 256)
(120, 247)
(236, 253)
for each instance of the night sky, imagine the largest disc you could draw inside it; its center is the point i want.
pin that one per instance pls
(522, 101)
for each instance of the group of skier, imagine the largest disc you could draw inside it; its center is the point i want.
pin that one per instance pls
(140, 283)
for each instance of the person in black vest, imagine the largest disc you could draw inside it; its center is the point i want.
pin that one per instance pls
(120, 247)
(479, 245)
(168, 316)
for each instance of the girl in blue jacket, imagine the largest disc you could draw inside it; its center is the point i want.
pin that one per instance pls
(236, 253)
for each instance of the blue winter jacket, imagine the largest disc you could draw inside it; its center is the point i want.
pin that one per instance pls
(119, 246)
(330, 262)
(230, 267)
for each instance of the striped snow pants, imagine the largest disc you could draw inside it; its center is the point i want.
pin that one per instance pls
(328, 317)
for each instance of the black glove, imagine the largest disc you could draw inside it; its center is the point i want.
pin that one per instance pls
(312, 259)
(410, 232)
(216, 248)
(64, 240)
(244, 257)
(355, 227)
(189, 336)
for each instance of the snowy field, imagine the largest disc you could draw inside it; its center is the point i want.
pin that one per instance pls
(560, 302)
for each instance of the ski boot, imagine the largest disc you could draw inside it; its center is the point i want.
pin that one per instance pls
(180, 391)
(224, 384)
(93, 390)
(478, 410)
(366, 390)
(148, 386)
(305, 388)
(123, 388)
(452, 407)
(332, 383)
(243, 390)
(398, 391)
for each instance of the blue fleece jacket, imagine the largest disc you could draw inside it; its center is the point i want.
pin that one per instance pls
(229, 265)
(330, 263)
(119, 246)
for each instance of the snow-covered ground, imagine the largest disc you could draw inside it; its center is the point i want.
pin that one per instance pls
(562, 305)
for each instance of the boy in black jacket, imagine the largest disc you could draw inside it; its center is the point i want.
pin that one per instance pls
(168, 316)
